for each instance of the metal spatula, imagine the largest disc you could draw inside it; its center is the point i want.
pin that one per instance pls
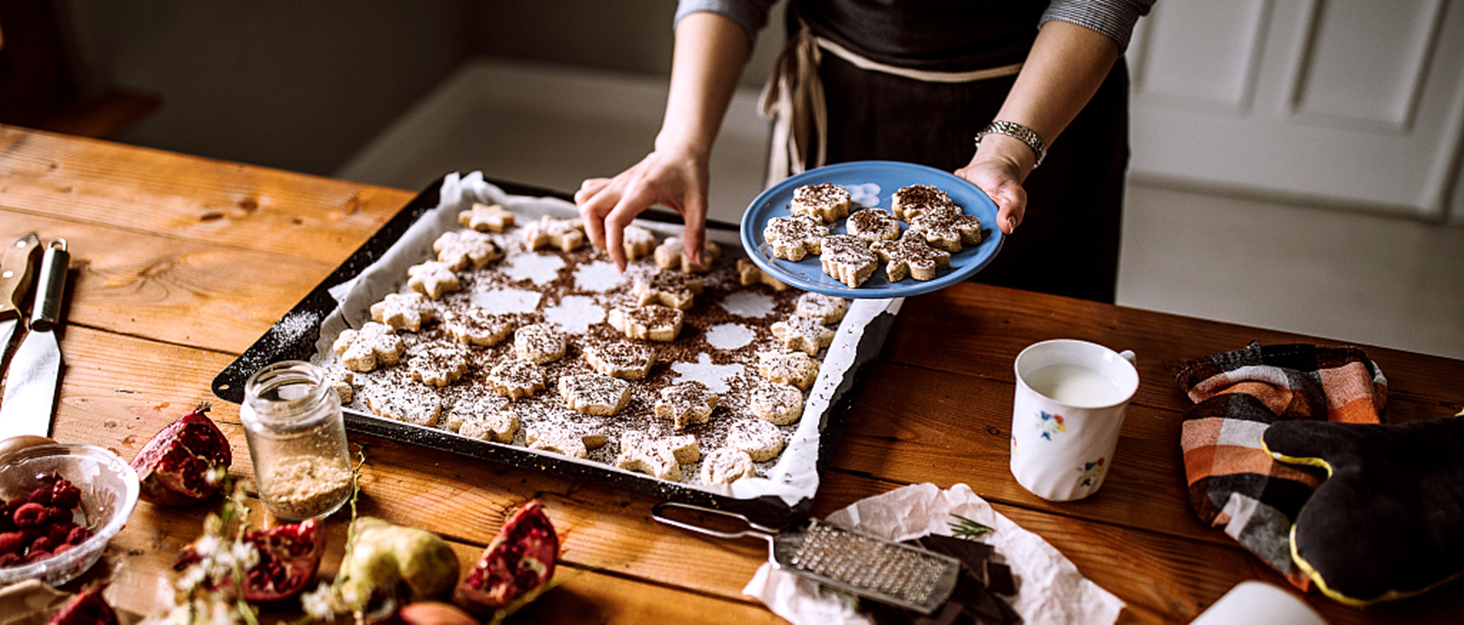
(846, 560)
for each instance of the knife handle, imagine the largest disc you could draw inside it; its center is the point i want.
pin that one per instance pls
(15, 273)
(47, 312)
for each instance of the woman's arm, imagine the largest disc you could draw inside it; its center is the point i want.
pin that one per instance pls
(1065, 68)
(707, 63)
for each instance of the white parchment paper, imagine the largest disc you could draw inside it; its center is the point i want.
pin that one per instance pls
(1050, 590)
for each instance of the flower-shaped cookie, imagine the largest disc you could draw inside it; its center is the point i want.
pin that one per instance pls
(410, 404)
(433, 278)
(514, 378)
(762, 440)
(477, 327)
(947, 229)
(685, 403)
(374, 344)
(438, 365)
(621, 360)
(911, 257)
(538, 343)
(749, 273)
(778, 404)
(726, 465)
(562, 441)
(873, 224)
(787, 367)
(666, 288)
(483, 418)
(637, 242)
(671, 254)
(594, 393)
(825, 308)
(484, 218)
(653, 322)
(803, 333)
(468, 247)
(661, 457)
(403, 311)
(341, 380)
(828, 202)
(910, 202)
(795, 236)
(566, 234)
(847, 259)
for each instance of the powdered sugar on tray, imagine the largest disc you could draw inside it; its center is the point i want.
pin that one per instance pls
(506, 301)
(598, 276)
(541, 269)
(730, 336)
(748, 304)
(575, 314)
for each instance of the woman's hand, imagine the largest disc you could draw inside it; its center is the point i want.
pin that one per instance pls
(675, 177)
(998, 168)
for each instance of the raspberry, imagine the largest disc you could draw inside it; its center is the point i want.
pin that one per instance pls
(10, 559)
(12, 542)
(78, 535)
(31, 514)
(41, 496)
(65, 495)
(37, 556)
(63, 549)
(43, 543)
(59, 530)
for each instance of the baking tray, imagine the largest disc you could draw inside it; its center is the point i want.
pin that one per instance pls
(294, 337)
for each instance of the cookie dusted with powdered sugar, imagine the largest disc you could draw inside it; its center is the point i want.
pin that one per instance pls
(761, 440)
(847, 258)
(828, 309)
(873, 224)
(565, 234)
(594, 393)
(778, 404)
(403, 311)
(726, 465)
(374, 344)
(412, 404)
(911, 257)
(787, 367)
(652, 322)
(461, 250)
(562, 441)
(637, 242)
(685, 403)
(485, 218)
(538, 343)
(482, 420)
(438, 365)
(621, 360)
(795, 236)
(803, 333)
(514, 378)
(433, 278)
(661, 457)
(749, 273)
(947, 229)
(914, 200)
(477, 327)
(828, 202)
(677, 290)
(671, 254)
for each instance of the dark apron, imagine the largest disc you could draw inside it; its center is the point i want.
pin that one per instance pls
(1068, 242)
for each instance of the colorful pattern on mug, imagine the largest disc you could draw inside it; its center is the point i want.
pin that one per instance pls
(1090, 472)
(1051, 423)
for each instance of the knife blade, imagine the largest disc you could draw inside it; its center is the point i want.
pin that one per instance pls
(15, 278)
(30, 393)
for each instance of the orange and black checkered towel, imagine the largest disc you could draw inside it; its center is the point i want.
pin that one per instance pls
(1232, 480)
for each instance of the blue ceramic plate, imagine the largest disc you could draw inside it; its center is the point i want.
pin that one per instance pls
(872, 183)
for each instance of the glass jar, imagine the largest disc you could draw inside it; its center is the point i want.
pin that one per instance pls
(297, 439)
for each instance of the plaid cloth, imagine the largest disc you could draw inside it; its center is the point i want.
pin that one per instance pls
(1232, 481)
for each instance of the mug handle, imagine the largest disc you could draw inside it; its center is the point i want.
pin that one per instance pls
(1129, 355)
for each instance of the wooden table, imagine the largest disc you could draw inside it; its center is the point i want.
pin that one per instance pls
(180, 263)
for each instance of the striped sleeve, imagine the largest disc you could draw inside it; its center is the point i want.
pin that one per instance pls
(751, 15)
(1114, 19)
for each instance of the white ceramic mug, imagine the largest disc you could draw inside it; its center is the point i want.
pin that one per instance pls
(1258, 603)
(1070, 403)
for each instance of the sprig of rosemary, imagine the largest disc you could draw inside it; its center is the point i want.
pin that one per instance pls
(967, 528)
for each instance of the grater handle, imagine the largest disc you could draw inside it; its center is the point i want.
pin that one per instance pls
(765, 533)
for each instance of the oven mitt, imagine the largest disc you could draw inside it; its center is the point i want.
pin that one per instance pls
(1388, 522)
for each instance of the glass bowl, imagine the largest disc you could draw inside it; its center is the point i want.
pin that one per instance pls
(109, 490)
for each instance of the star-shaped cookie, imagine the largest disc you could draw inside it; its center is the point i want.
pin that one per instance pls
(485, 218)
(671, 254)
(626, 361)
(403, 311)
(685, 403)
(661, 457)
(468, 247)
(749, 273)
(803, 333)
(477, 327)
(566, 234)
(433, 278)
(826, 308)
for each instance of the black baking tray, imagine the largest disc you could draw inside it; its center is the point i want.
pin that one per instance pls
(289, 342)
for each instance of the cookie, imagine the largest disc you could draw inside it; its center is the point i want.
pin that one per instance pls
(594, 393)
(433, 278)
(484, 218)
(947, 229)
(795, 236)
(661, 457)
(477, 327)
(828, 202)
(461, 249)
(637, 242)
(749, 273)
(410, 404)
(483, 418)
(685, 403)
(438, 365)
(761, 440)
(914, 200)
(566, 234)
(847, 259)
(621, 360)
(803, 333)
(828, 309)
(340, 381)
(651, 323)
(514, 378)
(538, 343)
(666, 288)
(726, 465)
(873, 224)
(374, 344)
(911, 257)
(671, 254)
(787, 367)
(562, 441)
(403, 311)
(778, 404)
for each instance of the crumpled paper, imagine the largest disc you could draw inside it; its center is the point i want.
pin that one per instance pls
(1050, 590)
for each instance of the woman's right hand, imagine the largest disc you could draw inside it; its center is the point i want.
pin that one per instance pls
(675, 177)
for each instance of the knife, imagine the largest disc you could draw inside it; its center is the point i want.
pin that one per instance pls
(30, 393)
(15, 278)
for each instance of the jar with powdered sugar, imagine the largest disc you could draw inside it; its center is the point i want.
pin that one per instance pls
(297, 440)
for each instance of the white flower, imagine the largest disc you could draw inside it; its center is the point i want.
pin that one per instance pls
(317, 603)
(246, 555)
(207, 545)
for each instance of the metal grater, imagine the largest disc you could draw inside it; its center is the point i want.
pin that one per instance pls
(846, 560)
